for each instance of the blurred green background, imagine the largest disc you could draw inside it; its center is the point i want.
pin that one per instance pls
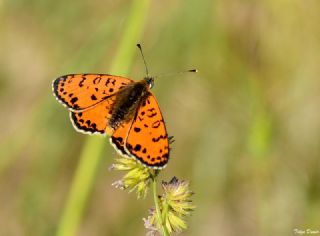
(247, 126)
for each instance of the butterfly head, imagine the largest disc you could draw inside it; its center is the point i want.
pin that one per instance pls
(150, 81)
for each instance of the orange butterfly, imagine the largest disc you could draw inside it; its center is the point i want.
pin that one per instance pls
(120, 107)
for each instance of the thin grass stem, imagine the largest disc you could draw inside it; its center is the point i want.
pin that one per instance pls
(158, 211)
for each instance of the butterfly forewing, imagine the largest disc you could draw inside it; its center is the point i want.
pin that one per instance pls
(82, 91)
(147, 139)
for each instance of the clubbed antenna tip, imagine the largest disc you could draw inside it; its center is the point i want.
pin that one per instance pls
(144, 60)
(194, 70)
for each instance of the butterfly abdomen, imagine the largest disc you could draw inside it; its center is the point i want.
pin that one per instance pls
(127, 102)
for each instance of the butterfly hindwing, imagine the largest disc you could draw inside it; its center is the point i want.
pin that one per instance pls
(119, 137)
(82, 91)
(95, 119)
(147, 139)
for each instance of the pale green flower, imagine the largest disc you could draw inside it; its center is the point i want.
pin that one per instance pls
(138, 177)
(175, 204)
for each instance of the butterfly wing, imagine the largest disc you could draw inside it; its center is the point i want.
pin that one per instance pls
(82, 91)
(95, 119)
(147, 139)
(119, 137)
(89, 97)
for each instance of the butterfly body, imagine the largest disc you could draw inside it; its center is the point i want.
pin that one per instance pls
(122, 108)
(127, 102)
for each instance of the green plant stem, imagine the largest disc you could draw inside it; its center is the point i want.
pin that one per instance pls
(92, 151)
(81, 186)
(156, 203)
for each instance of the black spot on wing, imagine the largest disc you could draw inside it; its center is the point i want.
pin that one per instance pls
(82, 81)
(151, 113)
(166, 155)
(158, 138)
(137, 147)
(107, 82)
(156, 124)
(136, 129)
(110, 80)
(73, 100)
(97, 80)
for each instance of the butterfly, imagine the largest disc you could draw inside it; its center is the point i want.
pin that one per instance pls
(120, 107)
(125, 109)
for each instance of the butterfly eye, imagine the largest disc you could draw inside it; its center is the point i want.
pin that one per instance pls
(150, 81)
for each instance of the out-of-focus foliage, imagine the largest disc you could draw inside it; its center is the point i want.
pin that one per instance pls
(246, 126)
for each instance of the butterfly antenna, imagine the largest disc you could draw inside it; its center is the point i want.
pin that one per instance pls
(145, 63)
(176, 73)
